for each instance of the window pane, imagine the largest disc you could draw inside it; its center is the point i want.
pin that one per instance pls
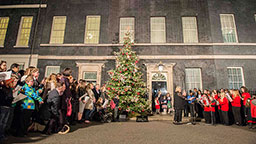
(90, 76)
(228, 28)
(52, 69)
(92, 29)
(235, 78)
(24, 31)
(190, 33)
(158, 30)
(193, 78)
(58, 29)
(126, 24)
(3, 28)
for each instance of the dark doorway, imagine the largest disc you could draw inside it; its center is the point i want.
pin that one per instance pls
(156, 86)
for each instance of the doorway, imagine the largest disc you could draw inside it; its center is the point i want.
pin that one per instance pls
(158, 86)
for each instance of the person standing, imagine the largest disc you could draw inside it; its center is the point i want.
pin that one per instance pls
(224, 104)
(97, 92)
(245, 97)
(89, 103)
(236, 107)
(179, 100)
(191, 101)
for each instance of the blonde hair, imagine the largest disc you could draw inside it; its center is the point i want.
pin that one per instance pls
(29, 78)
(236, 93)
(177, 89)
(28, 71)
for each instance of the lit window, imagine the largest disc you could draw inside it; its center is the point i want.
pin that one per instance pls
(190, 33)
(58, 30)
(3, 28)
(92, 29)
(235, 77)
(90, 77)
(126, 24)
(51, 69)
(193, 78)
(228, 28)
(24, 31)
(158, 30)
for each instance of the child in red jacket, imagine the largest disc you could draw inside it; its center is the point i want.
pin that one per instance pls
(224, 105)
(236, 107)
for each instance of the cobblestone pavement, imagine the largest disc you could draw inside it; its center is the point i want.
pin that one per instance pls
(153, 132)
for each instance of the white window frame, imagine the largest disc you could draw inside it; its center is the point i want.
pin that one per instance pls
(200, 75)
(151, 29)
(132, 32)
(4, 29)
(242, 73)
(19, 33)
(235, 28)
(46, 69)
(51, 36)
(186, 38)
(86, 26)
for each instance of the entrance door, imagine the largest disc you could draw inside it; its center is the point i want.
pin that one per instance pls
(158, 86)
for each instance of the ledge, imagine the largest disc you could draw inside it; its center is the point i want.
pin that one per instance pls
(150, 44)
(23, 6)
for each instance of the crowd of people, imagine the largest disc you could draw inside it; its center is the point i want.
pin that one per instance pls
(57, 102)
(216, 107)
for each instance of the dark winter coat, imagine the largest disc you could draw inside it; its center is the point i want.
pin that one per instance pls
(96, 94)
(179, 101)
(6, 96)
(53, 101)
(66, 94)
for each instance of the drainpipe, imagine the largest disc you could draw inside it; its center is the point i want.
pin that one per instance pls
(34, 36)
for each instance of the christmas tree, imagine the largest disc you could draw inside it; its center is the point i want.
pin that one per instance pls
(126, 81)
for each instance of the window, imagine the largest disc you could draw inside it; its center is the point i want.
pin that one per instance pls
(3, 28)
(235, 77)
(24, 31)
(51, 69)
(22, 65)
(190, 33)
(255, 17)
(193, 78)
(90, 77)
(157, 30)
(228, 28)
(126, 24)
(58, 30)
(92, 30)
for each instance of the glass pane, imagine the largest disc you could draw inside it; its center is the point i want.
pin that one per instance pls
(90, 75)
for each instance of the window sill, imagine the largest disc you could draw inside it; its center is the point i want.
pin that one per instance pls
(21, 46)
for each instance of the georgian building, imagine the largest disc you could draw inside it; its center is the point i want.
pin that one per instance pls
(205, 44)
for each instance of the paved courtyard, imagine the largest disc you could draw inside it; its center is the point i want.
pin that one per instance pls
(153, 132)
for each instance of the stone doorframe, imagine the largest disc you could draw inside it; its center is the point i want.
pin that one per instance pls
(90, 67)
(153, 68)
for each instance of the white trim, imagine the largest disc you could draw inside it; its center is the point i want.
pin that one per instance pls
(23, 6)
(157, 57)
(19, 56)
(151, 44)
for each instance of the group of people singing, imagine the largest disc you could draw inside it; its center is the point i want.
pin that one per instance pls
(217, 106)
(56, 102)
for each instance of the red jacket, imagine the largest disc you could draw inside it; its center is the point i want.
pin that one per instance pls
(224, 104)
(253, 110)
(246, 96)
(236, 102)
(206, 108)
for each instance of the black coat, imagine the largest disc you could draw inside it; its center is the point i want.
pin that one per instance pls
(96, 94)
(53, 102)
(6, 96)
(179, 101)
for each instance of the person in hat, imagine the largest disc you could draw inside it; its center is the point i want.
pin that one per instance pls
(6, 98)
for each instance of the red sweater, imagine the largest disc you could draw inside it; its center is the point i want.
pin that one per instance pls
(245, 96)
(213, 107)
(224, 104)
(236, 101)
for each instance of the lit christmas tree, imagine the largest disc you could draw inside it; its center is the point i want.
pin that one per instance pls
(126, 81)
